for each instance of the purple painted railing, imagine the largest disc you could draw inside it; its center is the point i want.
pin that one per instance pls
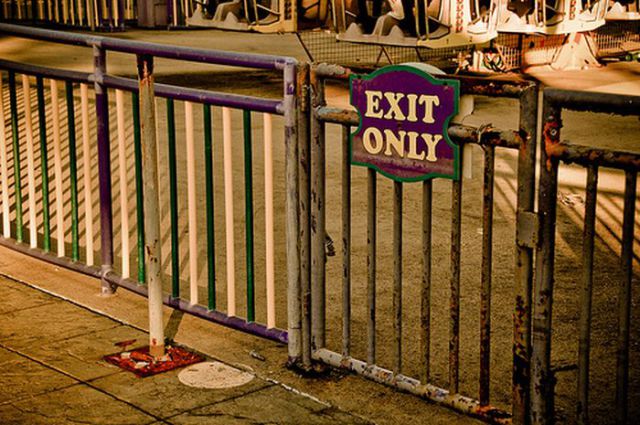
(102, 82)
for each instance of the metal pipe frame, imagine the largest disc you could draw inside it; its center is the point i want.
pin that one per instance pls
(430, 392)
(286, 107)
(217, 57)
(524, 140)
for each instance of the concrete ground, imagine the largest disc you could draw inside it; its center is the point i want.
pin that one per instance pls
(51, 367)
(52, 371)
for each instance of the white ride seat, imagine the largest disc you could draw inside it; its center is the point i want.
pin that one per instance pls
(551, 16)
(628, 10)
(433, 24)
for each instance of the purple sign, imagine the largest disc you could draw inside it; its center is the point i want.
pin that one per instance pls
(404, 116)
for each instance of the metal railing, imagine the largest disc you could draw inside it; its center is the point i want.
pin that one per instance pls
(313, 260)
(61, 209)
(368, 287)
(351, 313)
(86, 14)
(593, 159)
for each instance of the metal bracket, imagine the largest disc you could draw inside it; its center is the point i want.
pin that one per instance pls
(527, 229)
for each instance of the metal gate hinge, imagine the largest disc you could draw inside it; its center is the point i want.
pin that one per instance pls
(527, 229)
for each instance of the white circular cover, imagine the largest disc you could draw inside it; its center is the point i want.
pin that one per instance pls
(214, 375)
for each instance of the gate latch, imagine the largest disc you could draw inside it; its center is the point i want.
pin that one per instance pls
(527, 229)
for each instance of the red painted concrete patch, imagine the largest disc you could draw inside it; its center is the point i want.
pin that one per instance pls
(142, 364)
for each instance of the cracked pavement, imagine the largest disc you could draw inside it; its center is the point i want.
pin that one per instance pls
(52, 372)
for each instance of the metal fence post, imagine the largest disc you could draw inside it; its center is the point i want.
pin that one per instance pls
(524, 258)
(104, 168)
(291, 171)
(542, 379)
(151, 203)
(304, 121)
(318, 232)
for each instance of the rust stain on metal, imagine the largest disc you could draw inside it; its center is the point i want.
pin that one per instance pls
(551, 134)
(142, 364)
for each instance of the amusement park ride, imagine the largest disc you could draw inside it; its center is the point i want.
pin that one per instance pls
(567, 25)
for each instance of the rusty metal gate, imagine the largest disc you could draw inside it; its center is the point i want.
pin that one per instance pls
(355, 313)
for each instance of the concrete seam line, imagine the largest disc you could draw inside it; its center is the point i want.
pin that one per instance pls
(235, 397)
(213, 357)
(76, 303)
(81, 381)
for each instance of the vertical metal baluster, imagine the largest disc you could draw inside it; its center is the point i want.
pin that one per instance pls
(454, 303)
(588, 233)
(248, 214)
(208, 164)
(371, 265)
(425, 293)
(191, 204)
(318, 230)
(485, 289)
(73, 172)
(17, 183)
(268, 220)
(44, 165)
(397, 276)
(624, 299)
(87, 170)
(122, 174)
(137, 150)
(173, 200)
(121, 16)
(31, 183)
(57, 167)
(4, 170)
(346, 242)
(228, 211)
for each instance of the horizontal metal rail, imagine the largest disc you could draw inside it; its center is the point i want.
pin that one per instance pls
(495, 87)
(35, 70)
(618, 104)
(486, 136)
(587, 155)
(200, 96)
(218, 57)
(405, 383)
(186, 94)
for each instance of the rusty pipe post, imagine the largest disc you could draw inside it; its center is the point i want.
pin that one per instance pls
(304, 121)
(318, 233)
(524, 258)
(542, 379)
(151, 203)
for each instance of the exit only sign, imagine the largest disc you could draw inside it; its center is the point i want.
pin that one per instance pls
(404, 116)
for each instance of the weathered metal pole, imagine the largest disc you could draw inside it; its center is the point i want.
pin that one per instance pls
(292, 245)
(304, 122)
(104, 167)
(318, 233)
(151, 204)
(524, 259)
(542, 379)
